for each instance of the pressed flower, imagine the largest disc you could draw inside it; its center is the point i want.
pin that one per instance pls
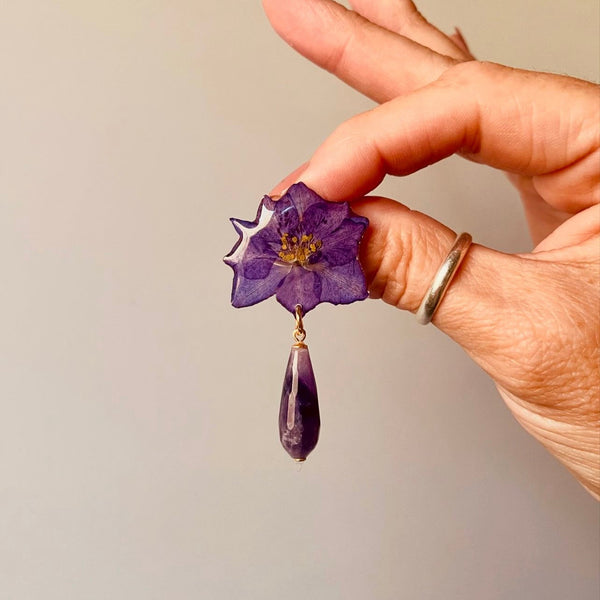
(301, 248)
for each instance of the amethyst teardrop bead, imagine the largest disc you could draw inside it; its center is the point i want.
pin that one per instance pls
(299, 420)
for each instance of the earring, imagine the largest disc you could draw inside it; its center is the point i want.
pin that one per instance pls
(304, 250)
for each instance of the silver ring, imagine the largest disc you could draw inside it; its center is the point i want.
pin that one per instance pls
(442, 278)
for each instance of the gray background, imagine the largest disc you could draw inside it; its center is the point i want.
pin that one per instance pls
(139, 456)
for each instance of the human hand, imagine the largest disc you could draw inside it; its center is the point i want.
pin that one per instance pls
(532, 321)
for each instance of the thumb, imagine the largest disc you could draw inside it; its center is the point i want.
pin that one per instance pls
(496, 307)
(530, 321)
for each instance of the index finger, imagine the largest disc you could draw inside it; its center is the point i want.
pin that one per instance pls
(513, 120)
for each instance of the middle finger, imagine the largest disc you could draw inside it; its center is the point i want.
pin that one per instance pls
(402, 16)
(373, 60)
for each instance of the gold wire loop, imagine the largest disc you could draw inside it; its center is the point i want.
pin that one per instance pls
(299, 332)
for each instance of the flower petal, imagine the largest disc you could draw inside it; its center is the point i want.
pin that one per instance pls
(323, 218)
(343, 284)
(263, 244)
(300, 287)
(315, 261)
(316, 216)
(286, 217)
(302, 198)
(257, 273)
(251, 290)
(341, 246)
(257, 268)
(246, 230)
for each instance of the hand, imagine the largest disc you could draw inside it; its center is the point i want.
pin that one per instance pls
(532, 321)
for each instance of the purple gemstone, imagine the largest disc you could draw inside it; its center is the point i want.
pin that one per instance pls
(299, 420)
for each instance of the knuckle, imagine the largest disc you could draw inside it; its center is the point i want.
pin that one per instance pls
(470, 72)
(351, 128)
(394, 269)
(389, 254)
(410, 18)
(355, 142)
(347, 26)
(406, 264)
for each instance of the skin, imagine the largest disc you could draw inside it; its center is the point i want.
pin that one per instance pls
(532, 321)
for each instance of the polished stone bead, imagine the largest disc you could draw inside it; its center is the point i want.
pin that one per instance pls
(299, 420)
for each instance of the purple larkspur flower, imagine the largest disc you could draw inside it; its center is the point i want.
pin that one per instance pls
(301, 248)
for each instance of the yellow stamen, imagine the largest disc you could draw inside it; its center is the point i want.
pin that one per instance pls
(294, 251)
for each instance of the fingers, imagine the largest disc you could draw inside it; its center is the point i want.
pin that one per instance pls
(402, 17)
(459, 40)
(400, 250)
(502, 117)
(501, 308)
(284, 184)
(401, 253)
(373, 60)
(541, 218)
(521, 318)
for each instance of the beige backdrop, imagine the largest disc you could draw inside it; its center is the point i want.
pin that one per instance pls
(139, 456)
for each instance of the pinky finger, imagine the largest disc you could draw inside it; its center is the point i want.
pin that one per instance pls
(458, 38)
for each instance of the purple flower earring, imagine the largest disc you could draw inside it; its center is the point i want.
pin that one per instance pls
(304, 250)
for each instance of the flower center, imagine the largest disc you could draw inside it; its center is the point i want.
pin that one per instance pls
(294, 250)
